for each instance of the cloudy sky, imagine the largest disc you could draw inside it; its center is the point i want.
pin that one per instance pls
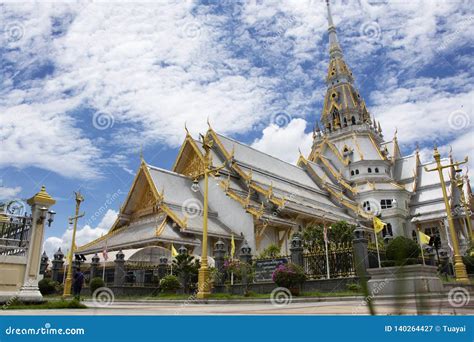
(85, 84)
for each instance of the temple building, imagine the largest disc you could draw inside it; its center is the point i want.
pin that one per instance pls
(352, 173)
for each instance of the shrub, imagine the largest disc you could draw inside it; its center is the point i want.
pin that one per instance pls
(95, 284)
(272, 251)
(47, 286)
(169, 284)
(239, 269)
(388, 263)
(354, 287)
(401, 249)
(469, 262)
(187, 269)
(289, 275)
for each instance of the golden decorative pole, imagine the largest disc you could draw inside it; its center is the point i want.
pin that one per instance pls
(204, 286)
(459, 184)
(68, 283)
(459, 267)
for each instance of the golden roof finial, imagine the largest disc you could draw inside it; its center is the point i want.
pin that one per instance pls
(395, 134)
(186, 129)
(209, 123)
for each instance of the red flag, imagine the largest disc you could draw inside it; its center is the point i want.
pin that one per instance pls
(104, 252)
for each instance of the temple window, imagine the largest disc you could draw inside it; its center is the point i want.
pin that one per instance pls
(376, 170)
(366, 206)
(387, 230)
(386, 204)
(369, 170)
(414, 236)
(352, 173)
(353, 120)
(345, 122)
(431, 231)
(357, 172)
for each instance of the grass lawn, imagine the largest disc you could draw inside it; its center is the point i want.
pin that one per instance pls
(53, 304)
(216, 296)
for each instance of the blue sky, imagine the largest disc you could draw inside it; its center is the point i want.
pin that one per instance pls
(85, 84)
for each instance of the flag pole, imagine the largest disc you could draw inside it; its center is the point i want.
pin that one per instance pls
(377, 246)
(327, 253)
(421, 246)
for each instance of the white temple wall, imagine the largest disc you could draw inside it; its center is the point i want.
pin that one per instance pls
(231, 213)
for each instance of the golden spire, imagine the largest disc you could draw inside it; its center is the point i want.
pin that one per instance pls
(335, 50)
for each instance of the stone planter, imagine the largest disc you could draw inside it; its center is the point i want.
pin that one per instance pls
(404, 280)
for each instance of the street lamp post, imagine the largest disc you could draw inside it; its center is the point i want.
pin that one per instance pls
(459, 267)
(467, 211)
(204, 288)
(68, 283)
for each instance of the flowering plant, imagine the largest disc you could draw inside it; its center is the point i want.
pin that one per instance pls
(288, 275)
(232, 265)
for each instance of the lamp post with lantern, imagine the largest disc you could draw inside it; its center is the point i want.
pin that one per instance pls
(204, 288)
(459, 267)
(68, 282)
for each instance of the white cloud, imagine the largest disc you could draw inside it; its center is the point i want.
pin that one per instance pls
(152, 66)
(83, 235)
(283, 142)
(9, 193)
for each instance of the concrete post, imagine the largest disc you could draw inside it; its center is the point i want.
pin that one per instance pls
(40, 204)
(361, 255)
(182, 276)
(246, 258)
(44, 263)
(94, 270)
(119, 273)
(163, 267)
(219, 254)
(296, 250)
(58, 266)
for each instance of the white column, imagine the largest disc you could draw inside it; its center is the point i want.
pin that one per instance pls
(29, 292)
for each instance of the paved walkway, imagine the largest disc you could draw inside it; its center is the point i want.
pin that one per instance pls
(347, 307)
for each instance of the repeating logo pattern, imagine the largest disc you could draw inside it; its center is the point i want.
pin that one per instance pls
(103, 297)
(458, 297)
(281, 296)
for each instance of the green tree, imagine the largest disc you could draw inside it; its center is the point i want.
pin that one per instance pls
(272, 251)
(186, 268)
(339, 232)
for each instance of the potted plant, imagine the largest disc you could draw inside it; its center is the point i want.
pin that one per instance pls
(290, 276)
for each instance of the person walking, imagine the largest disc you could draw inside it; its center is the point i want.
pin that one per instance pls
(78, 282)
